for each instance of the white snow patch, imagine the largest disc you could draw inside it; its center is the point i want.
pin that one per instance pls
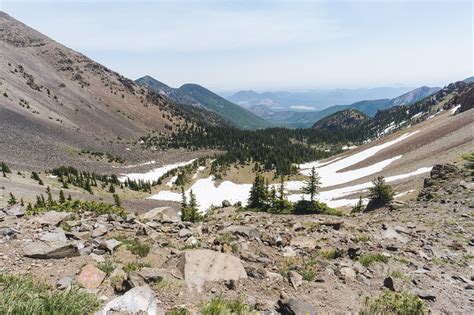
(171, 182)
(155, 173)
(349, 147)
(136, 165)
(208, 195)
(455, 108)
(331, 175)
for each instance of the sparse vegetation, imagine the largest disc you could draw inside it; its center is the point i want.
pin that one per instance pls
(106, 266)
(399, 303)
(221, 306)
(23, 295)
(367, 259)
(135, 266)
(135, 246)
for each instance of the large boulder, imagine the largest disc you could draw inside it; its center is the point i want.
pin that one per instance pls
(44, 250)
(161, 214)
(51, 218)
(200, 266)
(139, 300)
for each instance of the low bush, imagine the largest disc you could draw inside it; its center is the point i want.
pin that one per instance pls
(135, 246)
(398, 303)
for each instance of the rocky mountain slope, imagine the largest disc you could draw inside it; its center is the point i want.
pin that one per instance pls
(348, 118)
(55, 102)
(302, 119)
(258, 262)
(196, 95)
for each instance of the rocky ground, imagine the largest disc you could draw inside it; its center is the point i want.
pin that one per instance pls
(291, 264)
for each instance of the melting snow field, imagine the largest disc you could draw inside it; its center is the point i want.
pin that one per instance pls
(208, 194)
(155, 173)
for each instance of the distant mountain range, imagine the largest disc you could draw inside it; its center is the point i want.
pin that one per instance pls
(305, 119)
(196, 95)
(313, 100)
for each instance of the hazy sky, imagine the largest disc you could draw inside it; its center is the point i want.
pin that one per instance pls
(266, 44)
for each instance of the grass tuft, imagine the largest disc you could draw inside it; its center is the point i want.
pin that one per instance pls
(399, 303)
(23, 295)
(221, 306)
(368, 258)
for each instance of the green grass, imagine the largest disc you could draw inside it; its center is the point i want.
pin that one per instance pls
(135, 266)
(399, 303)
(134, 245)
(178, 311)
(23, 295)
(107, 266)
(368, 258)
(331, 253)
(221, 306)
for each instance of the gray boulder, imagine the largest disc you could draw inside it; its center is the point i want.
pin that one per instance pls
(202, 265)
(245, 231)
(295, 307)
(52, 218)
(139, 300)
(43, 250)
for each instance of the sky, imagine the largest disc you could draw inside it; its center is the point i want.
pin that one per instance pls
(266, 45)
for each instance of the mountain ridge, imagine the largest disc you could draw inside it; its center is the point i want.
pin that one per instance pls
(197, 95)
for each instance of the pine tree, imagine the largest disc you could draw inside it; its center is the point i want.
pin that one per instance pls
(191, 211)
(117, 201)
(313, 184)
(50, 197)
(112, 189)
(184, 202)
(259, 194)
(69, 198)
(380, 194)
(62, 198)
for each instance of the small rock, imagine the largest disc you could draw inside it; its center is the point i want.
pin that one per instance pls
(6, 231)
(64, 283)
(57, 236)
(118, 277)
(185, 233)
(388, 283)
(111, 244)
(100, 231)
(424, 295)
(91, 277)
(295, 307)
(296, 279)
(348, 273)
(226, 203)
(274, 277)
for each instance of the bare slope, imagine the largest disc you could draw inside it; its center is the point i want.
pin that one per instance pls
(54, 100)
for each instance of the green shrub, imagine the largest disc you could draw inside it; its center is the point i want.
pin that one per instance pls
(134, 245)
(135, 266)
(398, 303)
(331, 253)
(106, 266)
(221, 306)
(380, 194)
(314, 207)
(178, 311)
(368, 258)
(23, 295)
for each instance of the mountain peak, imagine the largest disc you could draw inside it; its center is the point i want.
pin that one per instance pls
(343, 119)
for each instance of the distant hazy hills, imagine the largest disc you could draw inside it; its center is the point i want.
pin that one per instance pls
(196, 95)
(304, 119)
(313, 100)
